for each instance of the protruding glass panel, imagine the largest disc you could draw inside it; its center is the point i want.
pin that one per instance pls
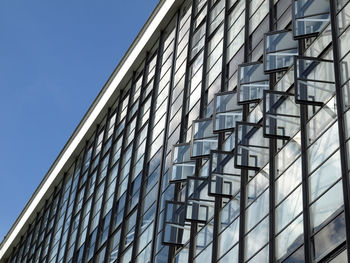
(182, 165)
(176, 231)
(252, 81)
(227, 111)
(203, 138)
(281, 115)
(314, 80)
(199, 205)
(310, 17)
(280, 48)
(225, 180)
(252, 149)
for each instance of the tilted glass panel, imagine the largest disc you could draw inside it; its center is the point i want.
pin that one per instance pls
(176, 231)
(225, 180)
(280, 48)
(199, 205)
(310, 17)
(282, 115)
(290, 239)
(227, 112)
(182, 165)
(314, 80)
(252, 81)
(329, 237)
(203, 139)
(252, 149)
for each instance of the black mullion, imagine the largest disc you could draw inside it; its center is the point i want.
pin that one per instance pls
(148, 137)
(130, 180)
(120, 169)
(272, 154)
(166, 131)
(148, 143)
(305, 177)
(108, 116)
(65, 216)
(56, 215)
(184, 120)
(221, 138)
(37, 227)
(114, 206)
(75, 197)
(47, 224)
(74, 258)
(341, 121)
(202, 105)
(25, 238)
(244, 173)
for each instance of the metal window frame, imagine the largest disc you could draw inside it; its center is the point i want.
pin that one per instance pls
(239, 90)
(265, 132)
(296, 80)
(215, 112)
(294, 18)
(266, 35)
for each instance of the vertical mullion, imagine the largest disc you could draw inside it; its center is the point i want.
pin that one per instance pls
(56, 216)
(95, 137)
(76, 194)
(341, 122)
(114, 207)
(304, 167)
(221, 139)
(137, 127)
(130, 180)
(244, 173)
(65, 216)
(108, 115)
(166, 130)
(272, 153)
(148, 143)
(184, 121)
(127, 122)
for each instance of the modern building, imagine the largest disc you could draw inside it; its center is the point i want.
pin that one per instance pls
(222, 136)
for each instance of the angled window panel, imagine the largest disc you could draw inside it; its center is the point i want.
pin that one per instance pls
(203, 138)
(199, 205)
(252, 81)
(226, 111)
(176, 231)
(279, 50)
(310, 17)
(281, 115)
(252, 149)
(314, 80)
(225, 180)
(182, 165)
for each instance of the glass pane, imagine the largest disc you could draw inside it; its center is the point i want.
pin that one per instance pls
(203, 138)
(291, 238)
(257, 238)
(282, 115)
(252, 82)
(227, 112)
(311, 16)
(325, 207)
(280, 48)
(225, 180)
(314, 80)
(183, 166)
(329, 237)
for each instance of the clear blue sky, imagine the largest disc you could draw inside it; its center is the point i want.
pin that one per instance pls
(55, 57)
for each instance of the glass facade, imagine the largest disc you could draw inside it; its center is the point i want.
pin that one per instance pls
(229, 142)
